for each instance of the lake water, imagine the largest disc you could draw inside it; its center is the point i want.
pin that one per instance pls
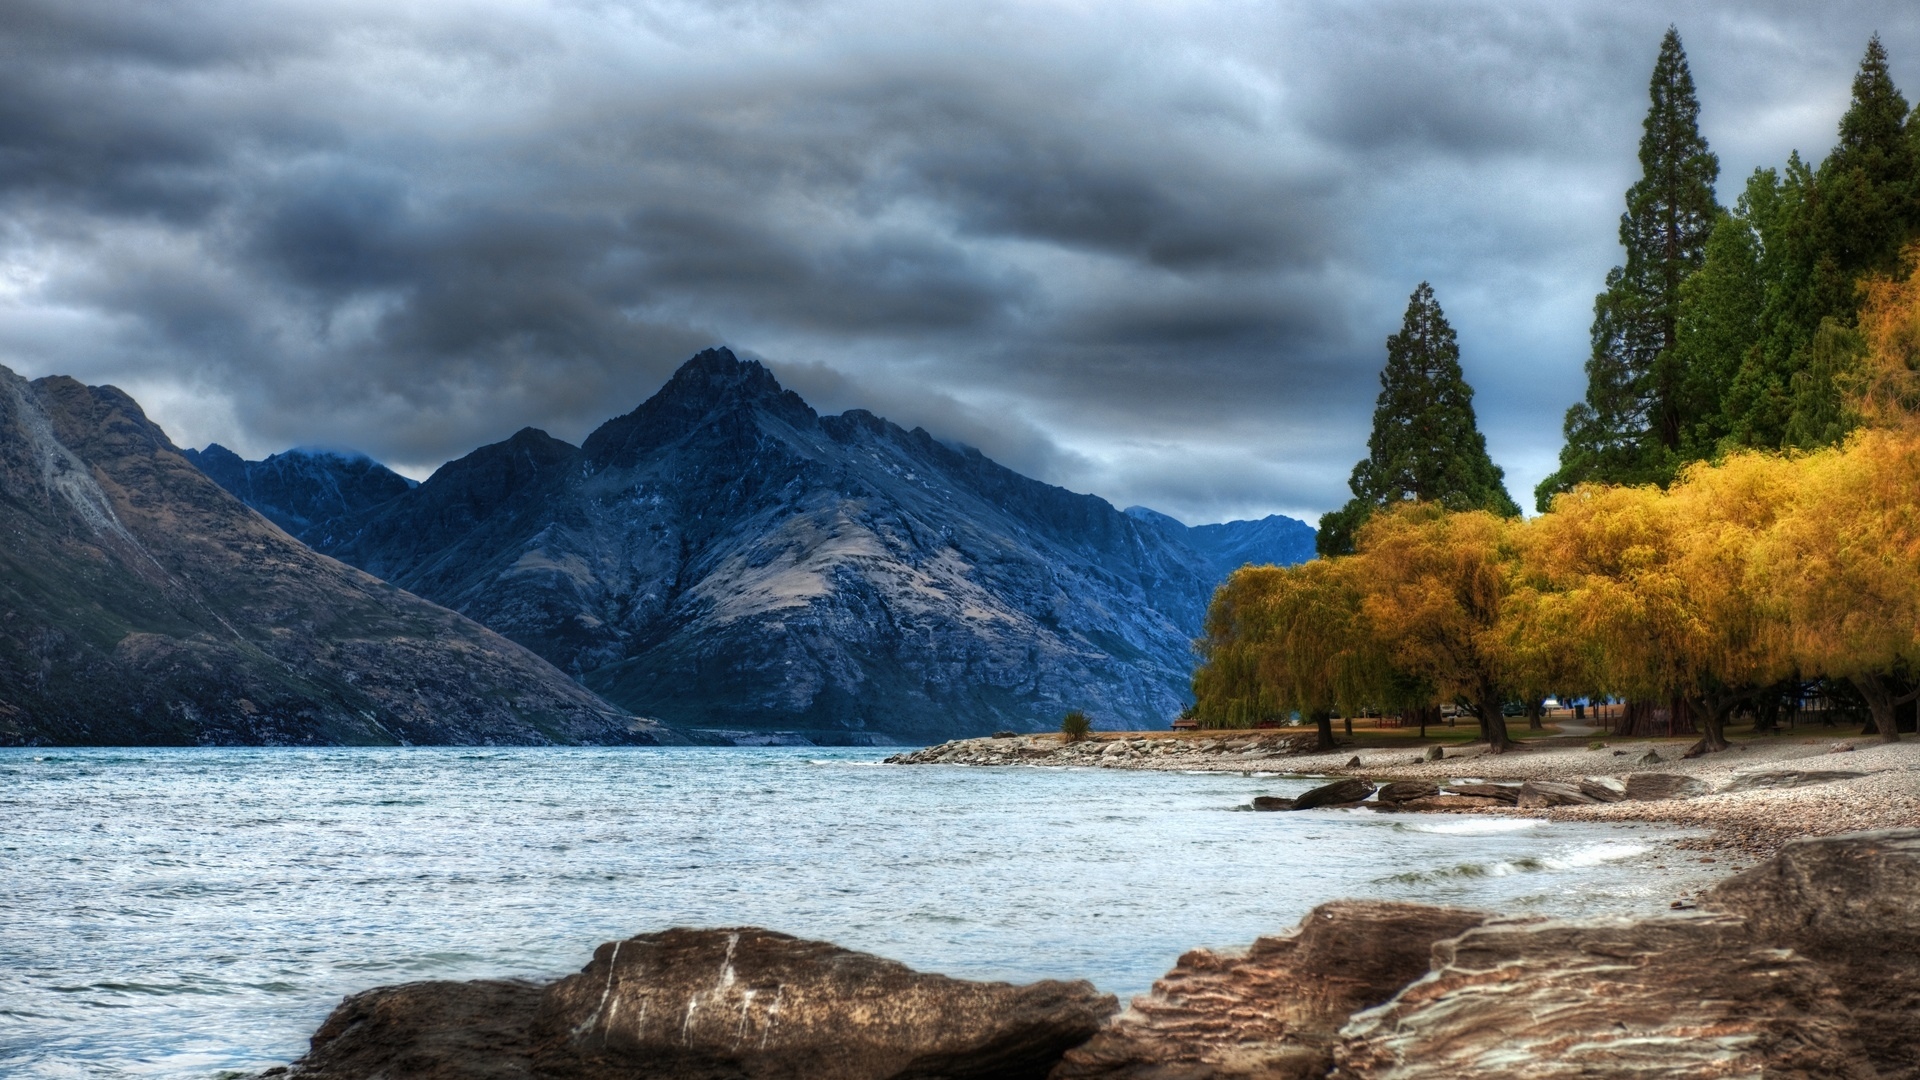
(180, 913)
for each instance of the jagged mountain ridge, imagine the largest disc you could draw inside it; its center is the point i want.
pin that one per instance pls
(732, 559)
(142, 604)
(303, 491)
(1275, 539)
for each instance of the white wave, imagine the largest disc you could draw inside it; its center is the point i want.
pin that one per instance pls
(1479, 826)
(1596, 855)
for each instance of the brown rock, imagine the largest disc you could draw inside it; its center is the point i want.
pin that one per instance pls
(1603, 788)
(1435, 753)
(749, 1003)
(1506, 793)
(1450, 802)
(1272, 1011)
(1272, 802)
(1682, 998)
(1852, 905)
(1400, 791)
(427, 1031)
(1788, 778)
(1539, 793)
(1655, 786)
(1338, 793)
(708, 1005)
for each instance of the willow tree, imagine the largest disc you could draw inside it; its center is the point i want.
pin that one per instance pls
(1287, 639)
(1631, 424)
(1658, 585)
(1426, 445)
(1845, 562)
(1434, 586)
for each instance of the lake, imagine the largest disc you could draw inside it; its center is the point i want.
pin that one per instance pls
(187, 912)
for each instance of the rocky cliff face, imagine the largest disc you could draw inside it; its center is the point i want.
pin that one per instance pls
(1230, 545)
(723, 556)
(142, 604)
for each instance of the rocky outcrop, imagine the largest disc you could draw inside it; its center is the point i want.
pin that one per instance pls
(1236, 750)
(1852, 905)
(1272, 1011)
(1541, 793)
(1785, 778)
(306, 492)
(141, 604)
(1678, 998)
(1344, 792)
(741, 1004)
(725, 557)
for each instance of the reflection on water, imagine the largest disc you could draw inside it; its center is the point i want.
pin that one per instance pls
(183, 912)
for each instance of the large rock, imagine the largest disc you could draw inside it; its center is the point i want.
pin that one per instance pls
(1271, 1011)
(1400, 791)
(1339, 793)
(1656, 786)
(1679, 998)
(1538, 793)
(1506, 793)
(1852, 905)
(741, 1004)
(1604, 788)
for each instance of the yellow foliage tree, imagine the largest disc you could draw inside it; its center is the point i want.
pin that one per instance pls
(1434, 586)
(1285, 639)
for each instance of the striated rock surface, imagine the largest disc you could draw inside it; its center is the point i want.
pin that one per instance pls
(1786, 778)
(1271, 1012)
(725, 557)
(141, 604)
(1665, 786)
(1339, 793)
(1679, 998)
(740, 1004)
(1852, 905)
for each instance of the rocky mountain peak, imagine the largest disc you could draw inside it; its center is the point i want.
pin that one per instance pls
(702, 395)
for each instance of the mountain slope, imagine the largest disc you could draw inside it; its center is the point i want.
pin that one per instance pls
(302, 491)
(1275, 539)
(724, 556)
(142, 604)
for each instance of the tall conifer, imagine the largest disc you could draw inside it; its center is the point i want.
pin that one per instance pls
(1426, 445)
(1632, 423)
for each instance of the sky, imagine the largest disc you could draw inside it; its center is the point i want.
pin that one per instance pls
(1150, 249)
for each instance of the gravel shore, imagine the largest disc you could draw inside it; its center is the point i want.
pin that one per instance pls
(1738, 816)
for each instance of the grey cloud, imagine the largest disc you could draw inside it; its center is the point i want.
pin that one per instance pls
(1150, 251)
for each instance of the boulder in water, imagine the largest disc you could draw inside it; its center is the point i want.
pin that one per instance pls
(1338, 793)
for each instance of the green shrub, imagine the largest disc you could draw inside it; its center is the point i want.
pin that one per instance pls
(1075, 726)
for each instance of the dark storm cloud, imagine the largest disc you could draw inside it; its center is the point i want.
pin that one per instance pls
(1143, 249)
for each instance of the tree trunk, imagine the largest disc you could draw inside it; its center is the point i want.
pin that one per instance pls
(1323, 720)
(1713, 720)
(1493, 723)
(1533, 715)
(1881, 703)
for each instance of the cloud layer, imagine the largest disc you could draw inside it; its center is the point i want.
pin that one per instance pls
(1144, 248)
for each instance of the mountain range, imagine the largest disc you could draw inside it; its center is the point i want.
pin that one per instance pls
(142, 604)
(724, 557)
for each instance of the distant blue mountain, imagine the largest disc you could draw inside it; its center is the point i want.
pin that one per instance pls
(1275, 539)
(305, 492)
(725, 557)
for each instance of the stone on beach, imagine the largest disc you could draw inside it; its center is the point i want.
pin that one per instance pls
(1506, 793)
(741, 1004)
(1400, 791)
(1338, 793)
(1787, 778)
(1539, 793)
(1604, 788)
(1272, 1011)
(1654, 786)
(1694, 997)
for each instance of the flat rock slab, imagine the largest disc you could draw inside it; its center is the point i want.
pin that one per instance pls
(1657, 786)
(1676, 998)
(1338, 793)
(1400, 791)
(1272, 1011)
(1604, 788)
(1852, 905)
(1447, 802)
(1539, 793)
(1506, 793)
(1272, 802)
(1787, 778)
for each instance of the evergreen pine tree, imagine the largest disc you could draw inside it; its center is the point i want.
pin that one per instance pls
(1848, 218)
(1633, 421)
(1426, 445)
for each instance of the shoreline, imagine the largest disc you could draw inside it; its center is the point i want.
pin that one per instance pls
(1761, 794)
